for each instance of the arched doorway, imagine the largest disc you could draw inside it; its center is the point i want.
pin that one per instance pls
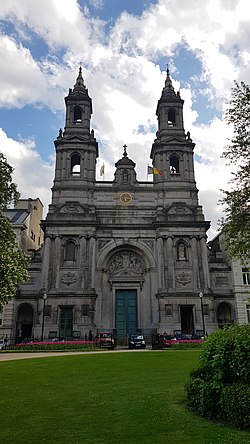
(224, 314)
(126, 273)
(24, 326)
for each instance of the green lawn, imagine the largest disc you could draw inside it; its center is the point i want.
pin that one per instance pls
(111, 398)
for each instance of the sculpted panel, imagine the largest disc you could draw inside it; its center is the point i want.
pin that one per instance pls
(126, 263)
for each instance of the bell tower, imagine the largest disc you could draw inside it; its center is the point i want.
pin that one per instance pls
(76, 148)
(172, 150)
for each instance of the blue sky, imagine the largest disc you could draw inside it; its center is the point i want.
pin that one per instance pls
(124, 47)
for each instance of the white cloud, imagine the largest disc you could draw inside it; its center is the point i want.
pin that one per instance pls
(123, 78)
(32, 174)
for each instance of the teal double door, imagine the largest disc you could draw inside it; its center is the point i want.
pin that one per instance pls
(126, 314)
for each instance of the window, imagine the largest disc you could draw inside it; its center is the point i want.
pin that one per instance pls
(174, 164)
(75, 164)
(70, 251)
(77, 115)
(171, 117)
(248, 314)
(168, 309)
(246, 276)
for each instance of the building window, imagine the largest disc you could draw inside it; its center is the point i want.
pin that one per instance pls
(206, 309)
(171, 117)
(77, 115)
(174, 164)
(248, 314)
(70, 251)
(246, 276)
(75, 164)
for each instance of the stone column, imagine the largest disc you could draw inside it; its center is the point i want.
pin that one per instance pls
(46, 262)
(204, 258)
(57, 262)
(170, 262)
(64, 165)
(195, 263)
(82, 260)
(160, 262)
(92, 260)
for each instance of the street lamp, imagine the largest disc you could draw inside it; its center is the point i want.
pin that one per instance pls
(44, 300)
(202, 313)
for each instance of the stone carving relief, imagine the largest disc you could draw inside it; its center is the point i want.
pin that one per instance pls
(68, 278)
(150, 244)
(183, 278)
(125, 263)
(180, 210)
(101, 243)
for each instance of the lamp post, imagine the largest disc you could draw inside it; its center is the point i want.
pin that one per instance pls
(44, 300)
(202, 312)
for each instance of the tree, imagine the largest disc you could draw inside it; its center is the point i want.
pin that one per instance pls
(13, 262)
(237, 202)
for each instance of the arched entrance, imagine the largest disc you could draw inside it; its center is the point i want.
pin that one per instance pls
(224, 314)
(24, 325)
(126, 274)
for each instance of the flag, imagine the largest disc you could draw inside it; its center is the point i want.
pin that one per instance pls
(153, 170)
(102, 170)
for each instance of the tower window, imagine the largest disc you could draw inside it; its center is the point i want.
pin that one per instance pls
(70, 251)
(246, 276)
(171, 117)
(77, 115)
(75, 164)
(174, 165)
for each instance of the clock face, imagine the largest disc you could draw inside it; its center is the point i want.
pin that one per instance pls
(125, 198)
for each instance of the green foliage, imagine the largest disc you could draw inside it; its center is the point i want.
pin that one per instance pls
(224, 363)
(237, 202)
(8, 189)
(203, 397)
(235, 404)
(13, 262)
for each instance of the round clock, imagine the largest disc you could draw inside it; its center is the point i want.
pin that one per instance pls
(125, 198)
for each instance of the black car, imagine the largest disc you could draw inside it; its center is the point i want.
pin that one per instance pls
(136, 341)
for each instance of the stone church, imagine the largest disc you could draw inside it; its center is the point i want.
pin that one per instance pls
(123, 255)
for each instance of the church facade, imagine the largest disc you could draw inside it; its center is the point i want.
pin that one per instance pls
(123, 255)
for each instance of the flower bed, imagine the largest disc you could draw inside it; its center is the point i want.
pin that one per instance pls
(56, 346)
(180, 344)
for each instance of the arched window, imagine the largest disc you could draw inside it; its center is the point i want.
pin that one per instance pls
(224, 314)
(174, 164)
(70, 251)
(75, 164)
(77, 115)
(171, 117)
(181, 251)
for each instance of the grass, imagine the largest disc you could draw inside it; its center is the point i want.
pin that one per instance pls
(111, 398)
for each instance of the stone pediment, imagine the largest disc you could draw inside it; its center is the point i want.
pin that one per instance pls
(179, 209)
(76, 208)
(76, 138)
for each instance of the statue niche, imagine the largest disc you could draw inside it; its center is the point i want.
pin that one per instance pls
(126, 263)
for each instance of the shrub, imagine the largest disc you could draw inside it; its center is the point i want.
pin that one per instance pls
(203, 397)
(235, 404)
(218, 388)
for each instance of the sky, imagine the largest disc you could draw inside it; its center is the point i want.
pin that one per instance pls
(124, 47)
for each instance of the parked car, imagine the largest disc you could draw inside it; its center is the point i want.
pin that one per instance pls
(105, 339)
(136, 341)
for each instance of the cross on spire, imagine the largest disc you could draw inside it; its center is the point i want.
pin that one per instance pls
(125, 152)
